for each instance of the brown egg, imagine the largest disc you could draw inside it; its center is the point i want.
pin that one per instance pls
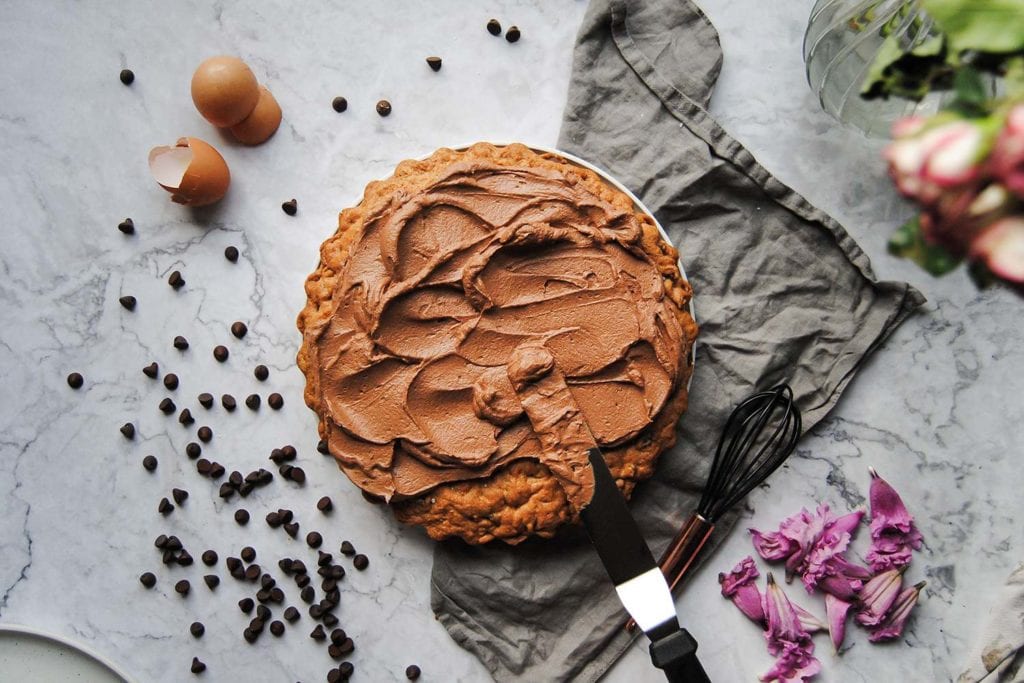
(224, 90)
(192, 171)
(261, 123)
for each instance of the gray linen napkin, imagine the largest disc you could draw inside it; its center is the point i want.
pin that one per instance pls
(781, 293)
(998, 654)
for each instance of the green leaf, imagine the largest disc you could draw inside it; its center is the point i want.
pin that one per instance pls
(911, 74)
(1014, 77)
(970, 87)
(908, 242)
(982, 25)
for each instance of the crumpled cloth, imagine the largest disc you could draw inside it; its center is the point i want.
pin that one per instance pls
(782, 293)
(998, 653)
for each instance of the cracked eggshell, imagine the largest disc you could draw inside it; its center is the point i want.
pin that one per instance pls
(192, 171)
(224, 90)
(262, 123)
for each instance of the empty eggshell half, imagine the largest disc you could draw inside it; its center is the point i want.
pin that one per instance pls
(224, 90)
(261, 123)
(192, 171)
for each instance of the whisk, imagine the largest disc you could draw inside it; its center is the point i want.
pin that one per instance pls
(758, 436)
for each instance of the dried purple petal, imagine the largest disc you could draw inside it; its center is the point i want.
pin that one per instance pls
(808, 621)
(877, 596)
(836, 610)
(787, 639)
(893, 532)
(892, 627)
(738, 585)
(772, 545)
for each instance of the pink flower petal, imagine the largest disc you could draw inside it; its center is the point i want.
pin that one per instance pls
(895, 620)
(877, 596)
(739, 586)
(835, 612)
(891, 527)
(808, 621)
(772, 545)
(1001, 247)
(787, 639)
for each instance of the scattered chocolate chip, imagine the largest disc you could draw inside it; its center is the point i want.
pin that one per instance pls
(338, 636)
(226, 491)
(127, 226)
(346, 646)
(347, 549)
(252, 401)
(434, 63)
(173, 543)
(316, 611)
(286, 515)
(205, 434)
(322, 447)
(242, 517)
(302, 580)
(360, 562)
(239, 329)
(235, 478)
(167, 406)
(277, 628)
(308, 594)
(185, 417)
(261, 372)
(209, 557)
(346, 669)
(205, 400)
(318, 633)
(512, 35)
(275, 401)
(226, 400)
(211, 580)
(149, 462)
(288, 452)
(314, 539)
(412, 672)
(180, 343)
(220, 352)
(183, 587)
(127, 76)
(335, 652)
(128, 430)
(384, 108)
(263, 613)
(340, 104)
(151, 370)
(128, 302)
(169, 557)
(171, 381)
(298, 475)
(193, 450)
(268, 581)
(324, 504)
(334, 676)
(197, 629)
(292, 529)
(233, 563)
(291, 614)
(263, 595)
(246, 605)
(175, 280)
(75, 380)
(231, 254)
(248, 553)
(180, 495)
(290, 207)
(273, 520)
(330, 620)
(148, 579)
(337, 572)
(494, 27)
(185, 559)
(161, 541)
(165, 507)
(197, 666)
(323, 559)
(252, 572)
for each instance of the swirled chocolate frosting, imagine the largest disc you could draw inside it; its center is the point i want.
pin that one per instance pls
(442, 286)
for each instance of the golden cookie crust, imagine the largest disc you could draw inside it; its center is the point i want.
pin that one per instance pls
(523, 498)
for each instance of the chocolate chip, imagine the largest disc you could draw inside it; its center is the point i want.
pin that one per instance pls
(167, 406)
(314, 539)
(185, 559)
(252, 572)
(346, 646)
(205, 434)
(185, 417)
(340, 104)
(261, 372)
(171, 381)
(175, 280)
(263, 595)
(128, 430)
(246, 605)
(245, 489)
(494, 27)
(197, 666)
(228, 401)
(197, 629)
(239, 329)
(434, 63)
(128, 302)
(263, 613)
(127, 76)
(173, 543)
(308, 594)
(384, 108)
(286, 515)
(211, 580)
(273, 520)
(302, 580)
(298, 475)
(292, 529)
(75, 380)
(161, 541)
(290, 207)
(318, 633)
(205, 400)
(233, 563)
(180, 495)
(235, 478)
(338, 636)
(412, 672)
(288, 452)
(149, 462)
(151, 370)
(347, 548)
(127, 226)
(329, 584)
(291, 614)
(324, 504)
(248, 553)
(268, 581)
(183, 587)
(277, 628)
(193, 450)
(512, 35)
(264, 477)
(322, 447)
(316, 611)
(252, 401)
(275, 401)
(335, 652)
(242, 517)
(180, 343)
(169, 557)
(148, 579)
(220, 352)
(231, 254)
(323, 559)
(360, 562)
(209, 557)
(330, 620)
(334, 676)
(346, 669)
(337, 572)
(226, 491)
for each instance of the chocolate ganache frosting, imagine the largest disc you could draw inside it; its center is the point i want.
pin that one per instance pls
(441, 287)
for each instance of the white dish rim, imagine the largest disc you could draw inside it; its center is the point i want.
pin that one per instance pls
(20, 629)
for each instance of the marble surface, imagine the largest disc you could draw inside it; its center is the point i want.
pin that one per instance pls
(937, 409)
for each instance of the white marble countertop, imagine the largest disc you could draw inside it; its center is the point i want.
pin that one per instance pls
(938, 409)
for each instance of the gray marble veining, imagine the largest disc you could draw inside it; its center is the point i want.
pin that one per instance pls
(937, 410)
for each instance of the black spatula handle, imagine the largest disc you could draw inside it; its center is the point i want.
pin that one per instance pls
(676, 655)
